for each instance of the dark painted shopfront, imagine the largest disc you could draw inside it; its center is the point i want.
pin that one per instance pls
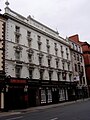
(24, 93)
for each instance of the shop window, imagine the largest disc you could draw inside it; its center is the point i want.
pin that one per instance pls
(61, 95)
(43, 96)
(49, 96)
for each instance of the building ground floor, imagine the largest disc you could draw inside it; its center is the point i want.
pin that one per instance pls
(23, 93)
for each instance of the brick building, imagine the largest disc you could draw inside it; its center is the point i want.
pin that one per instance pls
(86, 55)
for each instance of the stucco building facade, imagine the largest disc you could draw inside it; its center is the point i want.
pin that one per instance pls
(37, 64)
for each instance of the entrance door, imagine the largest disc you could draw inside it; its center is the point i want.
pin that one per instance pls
(55, 96)
(32, 97)
(15, 98)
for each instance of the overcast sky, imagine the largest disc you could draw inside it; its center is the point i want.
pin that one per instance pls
(69, 17)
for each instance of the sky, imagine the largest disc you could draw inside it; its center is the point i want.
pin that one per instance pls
(68, 17)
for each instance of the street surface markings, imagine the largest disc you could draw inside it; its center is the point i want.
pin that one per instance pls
(54, 119)
(15, 118)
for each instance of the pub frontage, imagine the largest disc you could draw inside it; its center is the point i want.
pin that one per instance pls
(21, 93)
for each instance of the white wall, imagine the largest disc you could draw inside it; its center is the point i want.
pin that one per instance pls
(10, 52)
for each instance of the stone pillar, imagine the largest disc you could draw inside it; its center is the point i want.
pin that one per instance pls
(38, 100)
(2, 100)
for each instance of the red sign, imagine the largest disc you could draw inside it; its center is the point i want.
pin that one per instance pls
(17, 81)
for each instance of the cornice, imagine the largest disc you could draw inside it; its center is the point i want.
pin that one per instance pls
(36, 29)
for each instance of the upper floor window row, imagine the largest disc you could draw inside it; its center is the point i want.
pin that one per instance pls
(48, 44)
(76, 47)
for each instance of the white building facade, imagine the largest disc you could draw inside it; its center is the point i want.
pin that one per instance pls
(38, 66)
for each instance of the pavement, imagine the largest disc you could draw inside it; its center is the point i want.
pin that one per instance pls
(32, 109)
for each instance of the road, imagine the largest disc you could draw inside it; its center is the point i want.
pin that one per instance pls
(74, 111)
